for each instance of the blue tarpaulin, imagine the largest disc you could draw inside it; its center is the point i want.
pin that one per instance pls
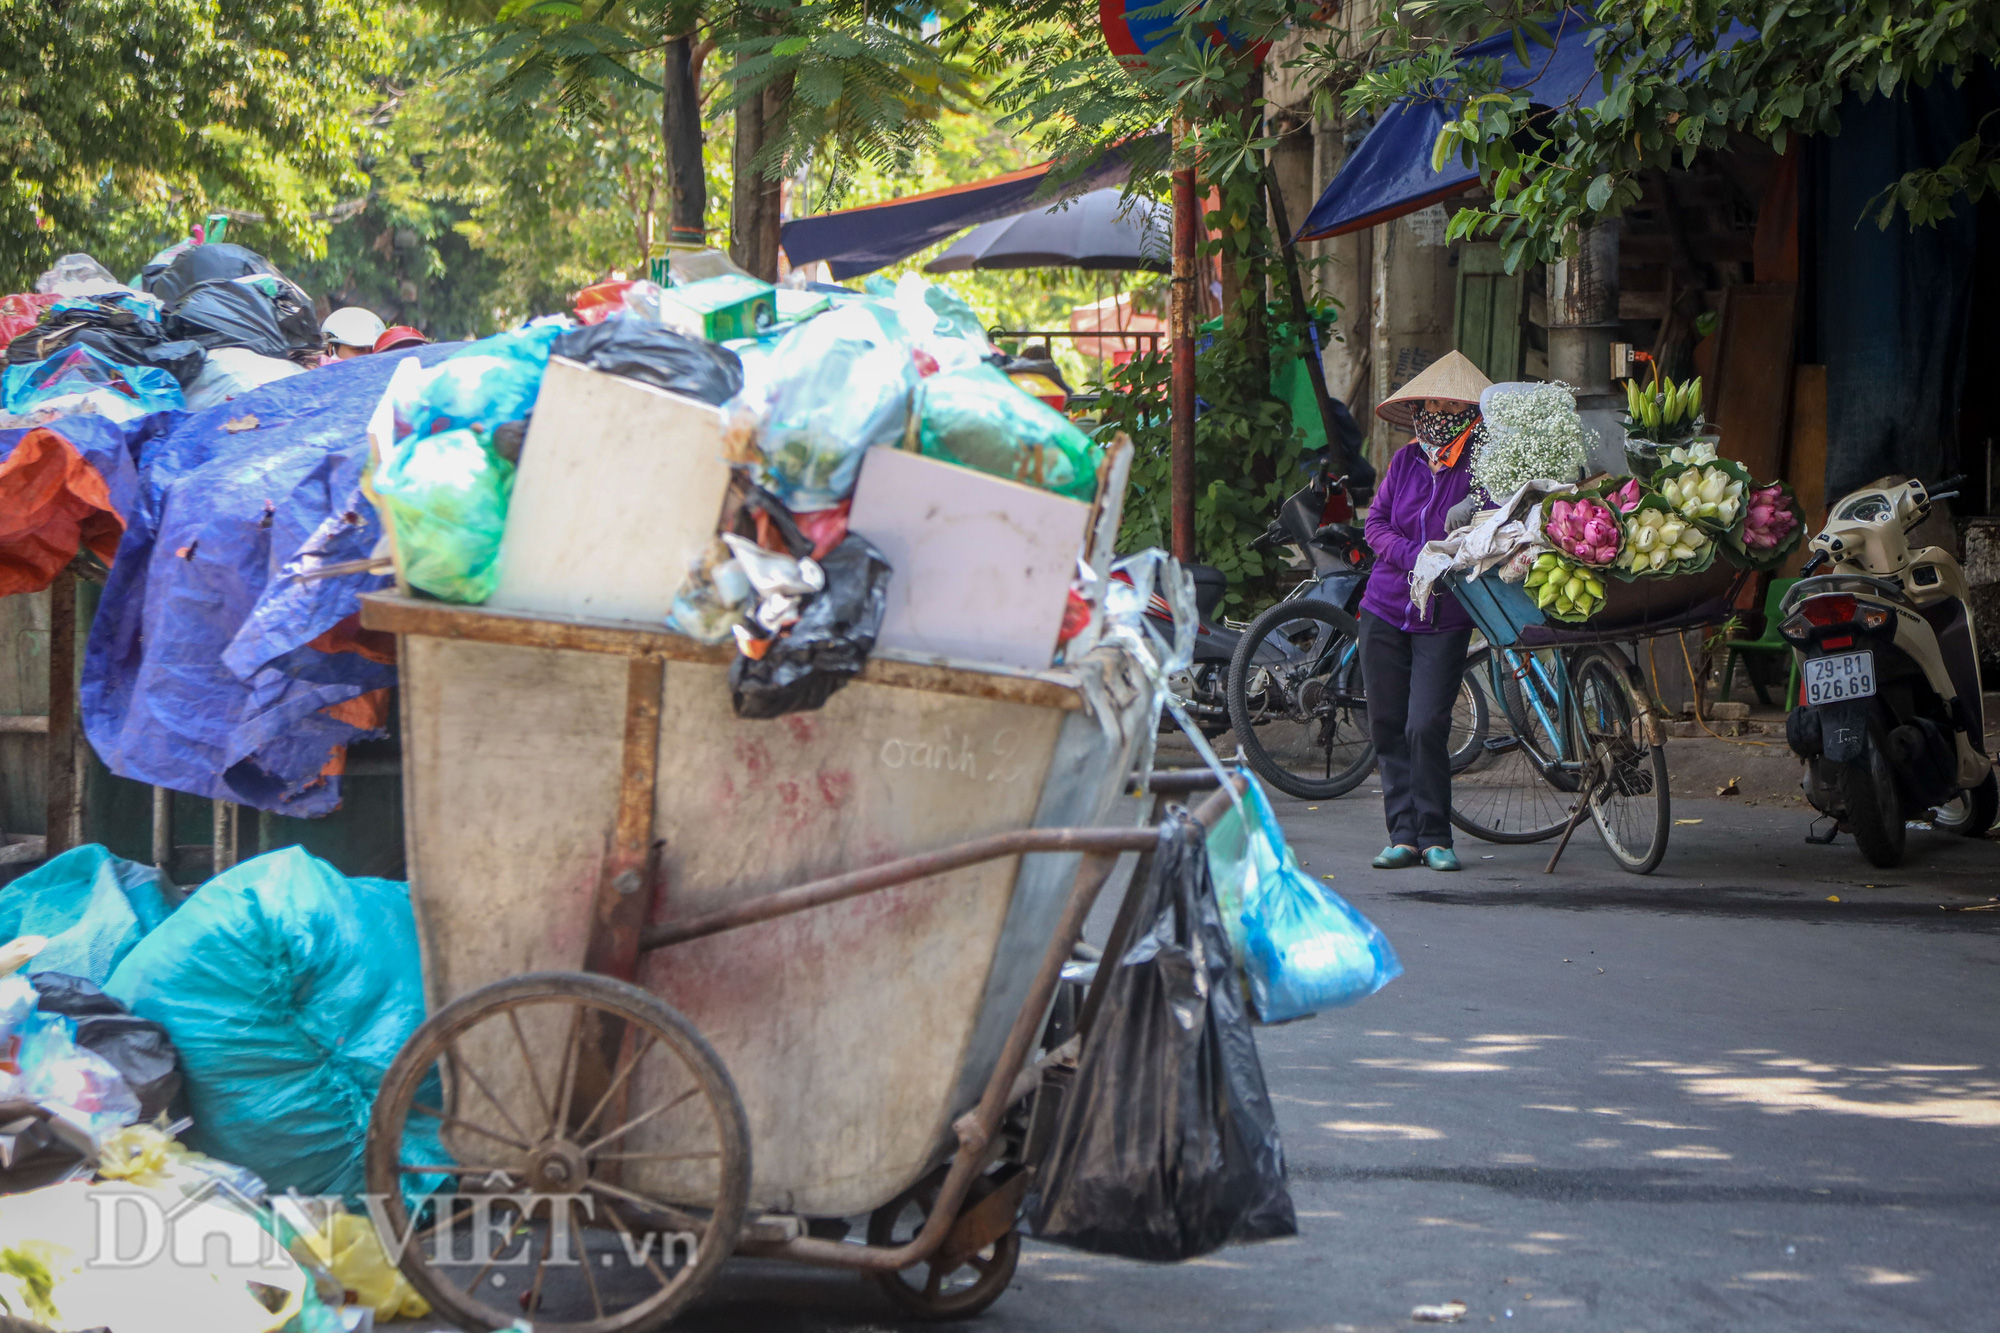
(1389, 174)
(857, 241)
(202, 673)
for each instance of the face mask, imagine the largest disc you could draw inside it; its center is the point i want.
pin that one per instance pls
(1438, 429)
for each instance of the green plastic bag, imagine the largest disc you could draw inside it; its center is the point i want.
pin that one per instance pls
(977, 417)
(446, 495)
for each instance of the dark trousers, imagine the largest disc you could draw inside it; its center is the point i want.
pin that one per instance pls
(1412, 683)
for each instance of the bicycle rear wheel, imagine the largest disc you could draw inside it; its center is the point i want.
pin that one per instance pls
(1630, 801)
(1515, 791)
(1299, 714)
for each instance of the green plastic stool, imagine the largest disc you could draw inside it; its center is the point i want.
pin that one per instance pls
(1768, 642)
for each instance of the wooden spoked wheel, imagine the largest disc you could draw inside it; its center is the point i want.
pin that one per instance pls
(560, 1150)
(944, 1287)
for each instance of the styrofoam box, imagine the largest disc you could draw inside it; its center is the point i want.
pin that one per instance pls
(621, 485)
(982, 565)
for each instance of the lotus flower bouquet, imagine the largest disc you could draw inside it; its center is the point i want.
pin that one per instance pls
(1660, 541)
(1581, 527)
(1712, 494)
(1564, 589)
(1772, 527)
(1657, 415)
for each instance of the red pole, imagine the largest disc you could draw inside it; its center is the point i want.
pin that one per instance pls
(1185, 300)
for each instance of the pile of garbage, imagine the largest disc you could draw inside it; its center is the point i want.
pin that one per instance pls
(199, 324)
(794, 391)
(221, 1049)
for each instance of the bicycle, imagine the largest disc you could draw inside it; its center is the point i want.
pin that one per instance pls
(1580, 735)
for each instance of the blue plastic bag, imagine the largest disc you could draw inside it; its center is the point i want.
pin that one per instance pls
(79, 375)
(483, 385)
(1304, 948)
(287, 988)
(834, 386)
(93, 907)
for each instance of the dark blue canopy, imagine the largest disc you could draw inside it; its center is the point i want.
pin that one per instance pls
(857, 241)
(1390, 174)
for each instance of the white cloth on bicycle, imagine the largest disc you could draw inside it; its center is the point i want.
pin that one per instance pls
(1491, 540)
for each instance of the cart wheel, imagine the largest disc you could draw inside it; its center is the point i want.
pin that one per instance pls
(1630, 805)
(923, 1289)
(562, 1149)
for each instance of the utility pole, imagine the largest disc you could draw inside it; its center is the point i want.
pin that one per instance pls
(1184, 301)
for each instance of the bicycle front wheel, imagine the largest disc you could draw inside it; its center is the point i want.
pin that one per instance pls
(1629, 802)
(1296, 703)
(1515, 791)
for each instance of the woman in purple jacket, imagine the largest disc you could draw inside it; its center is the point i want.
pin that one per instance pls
(1411, 661)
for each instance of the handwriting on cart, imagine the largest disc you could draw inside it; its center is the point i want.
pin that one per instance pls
(960, 753)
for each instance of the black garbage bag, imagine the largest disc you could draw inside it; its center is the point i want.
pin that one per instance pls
(1167, 1147)
(136, 1047)
(264, 313)
(198, 264)
(829, 643)
(109, 326)
(655, 354)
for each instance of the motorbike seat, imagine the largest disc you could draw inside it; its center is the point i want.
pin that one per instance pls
(1210, 584)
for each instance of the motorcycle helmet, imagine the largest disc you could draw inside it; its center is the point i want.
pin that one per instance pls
(352, 326)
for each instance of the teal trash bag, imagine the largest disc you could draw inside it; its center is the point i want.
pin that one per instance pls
(287, 988)
(80, 376)
(483, 385)
(446, 496)
(834, 386)
(1304, 948)
(93, 907)
(977, 417)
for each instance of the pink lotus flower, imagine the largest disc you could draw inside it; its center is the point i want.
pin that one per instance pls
(1585, 529)
(1769, 519)
(1626, 498)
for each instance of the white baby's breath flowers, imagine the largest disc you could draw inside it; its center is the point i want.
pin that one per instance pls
(1533, 433)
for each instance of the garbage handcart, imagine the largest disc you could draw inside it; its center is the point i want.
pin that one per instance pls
(671, 1022)
(1570, 726)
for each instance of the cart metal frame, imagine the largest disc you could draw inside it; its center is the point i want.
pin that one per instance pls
(630, 882)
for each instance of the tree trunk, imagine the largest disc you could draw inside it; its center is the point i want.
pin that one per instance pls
(680, 128)
(755, 201)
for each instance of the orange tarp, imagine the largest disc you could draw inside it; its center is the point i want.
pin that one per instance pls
(52, 502)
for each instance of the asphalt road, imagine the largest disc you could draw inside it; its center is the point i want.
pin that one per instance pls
(1712, 1098)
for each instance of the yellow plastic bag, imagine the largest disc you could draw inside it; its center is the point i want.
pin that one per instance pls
(353, 1253)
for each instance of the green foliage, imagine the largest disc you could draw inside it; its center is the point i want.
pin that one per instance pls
(1247, 456)
(122, 121)
(867, 85)
(1668, 91)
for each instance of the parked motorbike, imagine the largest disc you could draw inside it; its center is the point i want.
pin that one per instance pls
(1340, 561)
(1889, 717)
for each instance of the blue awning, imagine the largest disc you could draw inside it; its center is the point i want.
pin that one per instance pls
(857, 241)
(1390, 174)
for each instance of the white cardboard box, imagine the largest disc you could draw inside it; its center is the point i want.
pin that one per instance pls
(982, 564)
(621, 485)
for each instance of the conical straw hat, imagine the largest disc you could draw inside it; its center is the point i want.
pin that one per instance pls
(1452, 376)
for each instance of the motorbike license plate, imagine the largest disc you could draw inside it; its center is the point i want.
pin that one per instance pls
(1842, 676)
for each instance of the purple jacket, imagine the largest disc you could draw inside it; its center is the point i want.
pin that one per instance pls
(1407, 511)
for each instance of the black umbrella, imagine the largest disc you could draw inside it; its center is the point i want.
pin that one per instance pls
(1097, 230)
